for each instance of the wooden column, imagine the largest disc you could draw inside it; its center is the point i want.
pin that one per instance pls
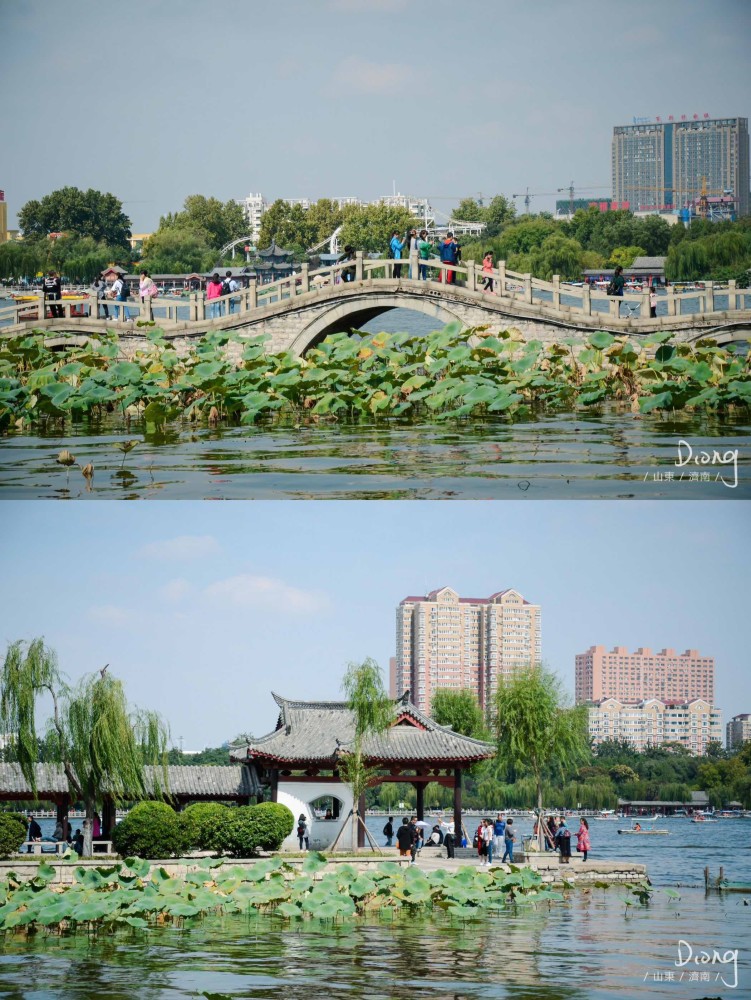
(360, 831)
(420, 789)
(274, 785)
(457, 805)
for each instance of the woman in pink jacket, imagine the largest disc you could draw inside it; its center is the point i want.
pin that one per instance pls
(582, 838)
(214, 291)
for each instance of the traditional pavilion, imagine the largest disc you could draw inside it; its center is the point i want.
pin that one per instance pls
(272, 263)
(297, 763)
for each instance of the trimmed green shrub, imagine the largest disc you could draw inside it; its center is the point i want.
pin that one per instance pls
(13, 828)
(150, 830)
(250, 829)
(202, 824)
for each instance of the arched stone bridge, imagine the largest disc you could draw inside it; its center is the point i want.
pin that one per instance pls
(298, 312)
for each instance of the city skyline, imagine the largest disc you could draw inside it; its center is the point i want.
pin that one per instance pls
(203, 610)
(279, 115)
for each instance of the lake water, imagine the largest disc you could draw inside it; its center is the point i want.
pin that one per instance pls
(589, 454)
(589, 946)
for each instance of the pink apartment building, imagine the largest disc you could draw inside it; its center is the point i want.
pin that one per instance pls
(447, 641)
(643, 674)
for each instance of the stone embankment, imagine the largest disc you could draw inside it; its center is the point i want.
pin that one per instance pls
(578, 873)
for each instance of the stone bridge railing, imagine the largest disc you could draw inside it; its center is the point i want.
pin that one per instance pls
(564, 300)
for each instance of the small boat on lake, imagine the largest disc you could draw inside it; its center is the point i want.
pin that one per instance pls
(637, 829)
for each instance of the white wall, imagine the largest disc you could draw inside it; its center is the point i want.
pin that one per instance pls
(297, 796)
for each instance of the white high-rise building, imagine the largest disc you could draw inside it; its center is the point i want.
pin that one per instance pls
(254, 207)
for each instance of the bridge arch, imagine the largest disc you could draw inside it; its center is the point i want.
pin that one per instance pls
(354, 312)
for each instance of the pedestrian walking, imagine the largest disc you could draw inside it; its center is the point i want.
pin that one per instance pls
(508, 841)
(499, 827)
(302, 832)
(653, 302)
(404, 838)
(582, 838)
(487, 271)
(388, 831)
(487, 839)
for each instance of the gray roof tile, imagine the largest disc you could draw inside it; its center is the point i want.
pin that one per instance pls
(309, 731)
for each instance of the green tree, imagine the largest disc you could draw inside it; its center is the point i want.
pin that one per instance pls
(369, 228)
(83, 213)
(536, 731)
(288, 225)
(211, 221)
(177, 251)
(625, 256)
(100, 741)
(498, 214)
(461, 711)
(469, 210)
(372, 712)
(557, 255)
(323, 217)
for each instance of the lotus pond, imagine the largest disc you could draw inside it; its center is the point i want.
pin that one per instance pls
(389, 932)
(387, 415)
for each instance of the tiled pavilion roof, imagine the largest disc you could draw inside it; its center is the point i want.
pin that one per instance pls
(187, 782)
(318, 731)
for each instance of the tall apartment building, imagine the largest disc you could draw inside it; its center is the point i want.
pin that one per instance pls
(653, 722)
(738, 731)
(634, 677)
(662, 164)
(447, 641)
(254, 206)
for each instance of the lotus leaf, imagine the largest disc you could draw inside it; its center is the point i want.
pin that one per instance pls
(138, 866)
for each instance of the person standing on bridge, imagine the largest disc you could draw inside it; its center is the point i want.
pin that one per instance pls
(53, 292)
(214, 291)
(396, 246)
(147, 290)
(423, 248)
(487, 271)
(450, 254)
(414, 248)
(230, 285)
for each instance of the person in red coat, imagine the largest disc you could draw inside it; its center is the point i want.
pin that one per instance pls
(582, 838)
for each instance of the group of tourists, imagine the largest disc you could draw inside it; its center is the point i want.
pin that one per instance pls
(414, 242)
(557, 837)
(217, 288)
(493, 835)
(61, 834)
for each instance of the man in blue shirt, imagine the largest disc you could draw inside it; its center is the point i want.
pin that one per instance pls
(499, 829)
(396, 246)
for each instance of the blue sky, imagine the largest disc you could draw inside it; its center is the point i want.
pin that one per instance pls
(202, 609)
(154, 100)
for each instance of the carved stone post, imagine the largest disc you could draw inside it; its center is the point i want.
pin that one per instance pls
(732, 298)
(709, 296)
(471, 276)
(501, 289)
(252, 294)
(304, 278)
(528, 288)
(586, 300)
(557, 292)
(358, 265)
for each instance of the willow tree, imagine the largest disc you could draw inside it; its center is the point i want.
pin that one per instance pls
(102, 743)
(372, 712)
(536, 731)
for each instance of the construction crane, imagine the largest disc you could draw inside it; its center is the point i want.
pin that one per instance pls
(571, 194)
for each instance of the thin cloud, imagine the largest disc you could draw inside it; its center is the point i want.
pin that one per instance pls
(175, 591)
(265, 593)
(110, 614)
(364, 77)
(181, 547)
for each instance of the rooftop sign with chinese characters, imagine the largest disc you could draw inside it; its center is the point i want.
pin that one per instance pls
(661, 119)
